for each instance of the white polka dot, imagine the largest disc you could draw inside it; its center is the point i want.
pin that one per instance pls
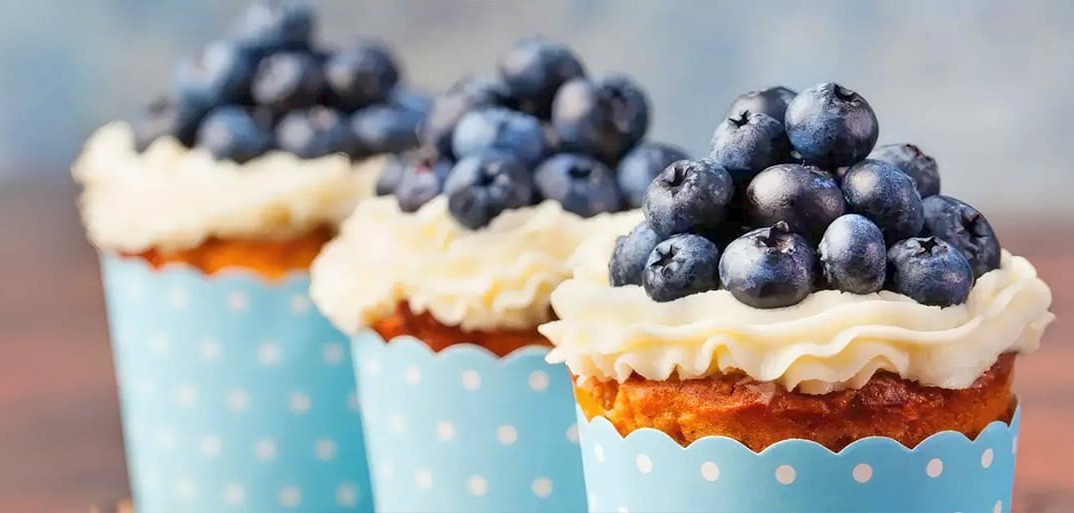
(167, 439)
(592, 499)
(371, 366)
(862, 473)
(211, 445)
(300, 304)
(644, 464)
(539, 380)
(786, 474)
(333, 352)
(542, 487)
(146, 387)
(325, 449)
(268, 353)
(237, 400)
(386, 470)
(471, 380)
(352, 401)
(423, 479)
(160, 344)
(186, 395)
(622, 509)
(397, 422)
(185, 488)
(598, 451)
(134, 289)
(413, 375)
(934, 468)
(710, 471)
(290, 496)
(477, 486)
(234, 494)
(572, 434)
(236, 302)
(986, 458)
(265, 449)
(445, 430)
(210, 351)
(998, 508)
(347, 495)
(507, 435)
(299, 402)
(178, 298)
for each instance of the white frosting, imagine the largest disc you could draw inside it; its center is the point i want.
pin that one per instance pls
(830, 341)
(498, 277)
(171, 197)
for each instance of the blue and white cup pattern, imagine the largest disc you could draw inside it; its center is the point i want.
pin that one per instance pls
(236, 394)
(465, 431)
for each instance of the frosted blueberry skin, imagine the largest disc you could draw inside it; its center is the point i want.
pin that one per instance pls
(502, 130)
(627, 265)
(929, 271)
(772, 101)
(423, 177)
(769, 267)
(831, 126)
(164, 117)
(480, 187)
(641, 165)
(682, 265)
(533, 71)
(748, 142)
(233, 133)
(220, 74)
(288, 81)
(689, 196)
(853, 257)
(965, 228)
(603, 118)
(915, 163)
(581, 183)
(804, 197)
(885, 195)
(469, 93)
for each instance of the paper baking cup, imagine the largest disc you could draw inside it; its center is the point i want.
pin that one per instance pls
(648, 472)
(236, 394)
(465, 431)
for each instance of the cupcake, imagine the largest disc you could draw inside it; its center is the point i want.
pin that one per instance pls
(442, 283)
(237, 395)
(801, 323)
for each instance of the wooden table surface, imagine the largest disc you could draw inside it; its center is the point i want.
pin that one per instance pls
(60, 446)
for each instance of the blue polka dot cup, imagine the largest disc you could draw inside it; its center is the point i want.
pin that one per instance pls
(465, 431)
(236, 394)
(648, 472)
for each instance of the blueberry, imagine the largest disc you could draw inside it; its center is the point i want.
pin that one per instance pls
(688, 196)
(853, 256)
(888, 197)
(748, 142)
(627, 266)
(641, 165)
(315, 132)
(831, 126)
(288, 81)
(390, 176)
(963, 227)
(360, 75)
(604, 119)
(804, 197)
(769, 267)
(580, 183)
(535, 69)
(423, 179)
(481, 186)
(385, 128)
(929, 271)
(447, 109)
(221, 74)
(232, 133)
(772, 101)
(271, 26)
(499, 129)
(411, 101)
(682, 265)
(166, 117)
(912, 161)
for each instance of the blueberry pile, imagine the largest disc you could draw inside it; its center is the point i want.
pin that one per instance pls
(269, 86)
(540, 130)
(794, 197)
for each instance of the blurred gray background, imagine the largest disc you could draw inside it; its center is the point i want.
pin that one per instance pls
(984, 86)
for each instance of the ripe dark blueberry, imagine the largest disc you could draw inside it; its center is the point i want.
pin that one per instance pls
(288, 81)
(689, 196)
(853, 256)
(272, 26)
(929, 271)
(481, 186)
(910, 160)
(604, 119)
(360, 75)
(499, 129)
(804, 197)
(769, 267)
(682, 265)
(423, 179)
(963, 227)
(390, 176)
(641, 165)
(468, 94)
(772, 101)
(411, 101)
(384, 128)
(887, 196)
(831, 126)
(627, 266)
(748, 142)
(166, 117)
(535, 69)
(315, 132)
(580, 183)
(232, 133)
(221, 74)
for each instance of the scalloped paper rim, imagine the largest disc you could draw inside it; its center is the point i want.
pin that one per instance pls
(465, 351)
(289, 278)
